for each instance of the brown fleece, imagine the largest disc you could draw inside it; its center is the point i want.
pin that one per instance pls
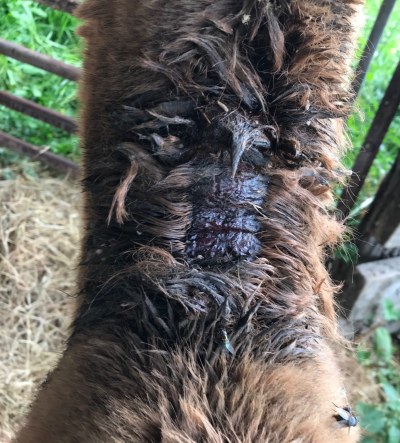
(212, 132)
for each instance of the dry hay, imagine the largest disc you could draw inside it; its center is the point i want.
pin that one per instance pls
(39, 239)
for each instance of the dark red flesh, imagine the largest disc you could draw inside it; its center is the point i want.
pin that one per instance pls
(225, 217)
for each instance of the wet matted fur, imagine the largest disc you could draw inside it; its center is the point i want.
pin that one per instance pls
(212, 132)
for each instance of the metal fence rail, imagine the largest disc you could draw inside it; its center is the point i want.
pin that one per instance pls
(41, 61)
(57, 162)
(62, 5)
(377, 131)
(372, 43)
(37, 111)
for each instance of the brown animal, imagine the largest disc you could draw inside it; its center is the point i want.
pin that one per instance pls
(211, 131)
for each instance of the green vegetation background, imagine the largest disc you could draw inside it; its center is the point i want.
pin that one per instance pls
(52, 32)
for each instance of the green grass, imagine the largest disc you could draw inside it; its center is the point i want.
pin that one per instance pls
(52, 33)
(381, 422)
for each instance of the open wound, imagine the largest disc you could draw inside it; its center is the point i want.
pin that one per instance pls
(225, 219)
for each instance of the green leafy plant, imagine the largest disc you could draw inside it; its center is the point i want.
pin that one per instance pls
(381, 422)
(52, 33)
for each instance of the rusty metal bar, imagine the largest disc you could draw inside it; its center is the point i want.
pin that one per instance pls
(42, 61)
(372, 43)
(55, 161)
(371, 236)
(382, 218)
(377, 131)
(37, 111)
(62, 5)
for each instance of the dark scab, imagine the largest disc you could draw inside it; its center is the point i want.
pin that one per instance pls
(221, 188)
(223, 246)
(225, 219)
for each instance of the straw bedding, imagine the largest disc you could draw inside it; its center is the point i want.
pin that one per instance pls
(39, 238)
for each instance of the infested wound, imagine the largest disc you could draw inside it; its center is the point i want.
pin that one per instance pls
(225, 219)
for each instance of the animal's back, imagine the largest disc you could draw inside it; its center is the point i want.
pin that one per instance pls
(211, 133)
